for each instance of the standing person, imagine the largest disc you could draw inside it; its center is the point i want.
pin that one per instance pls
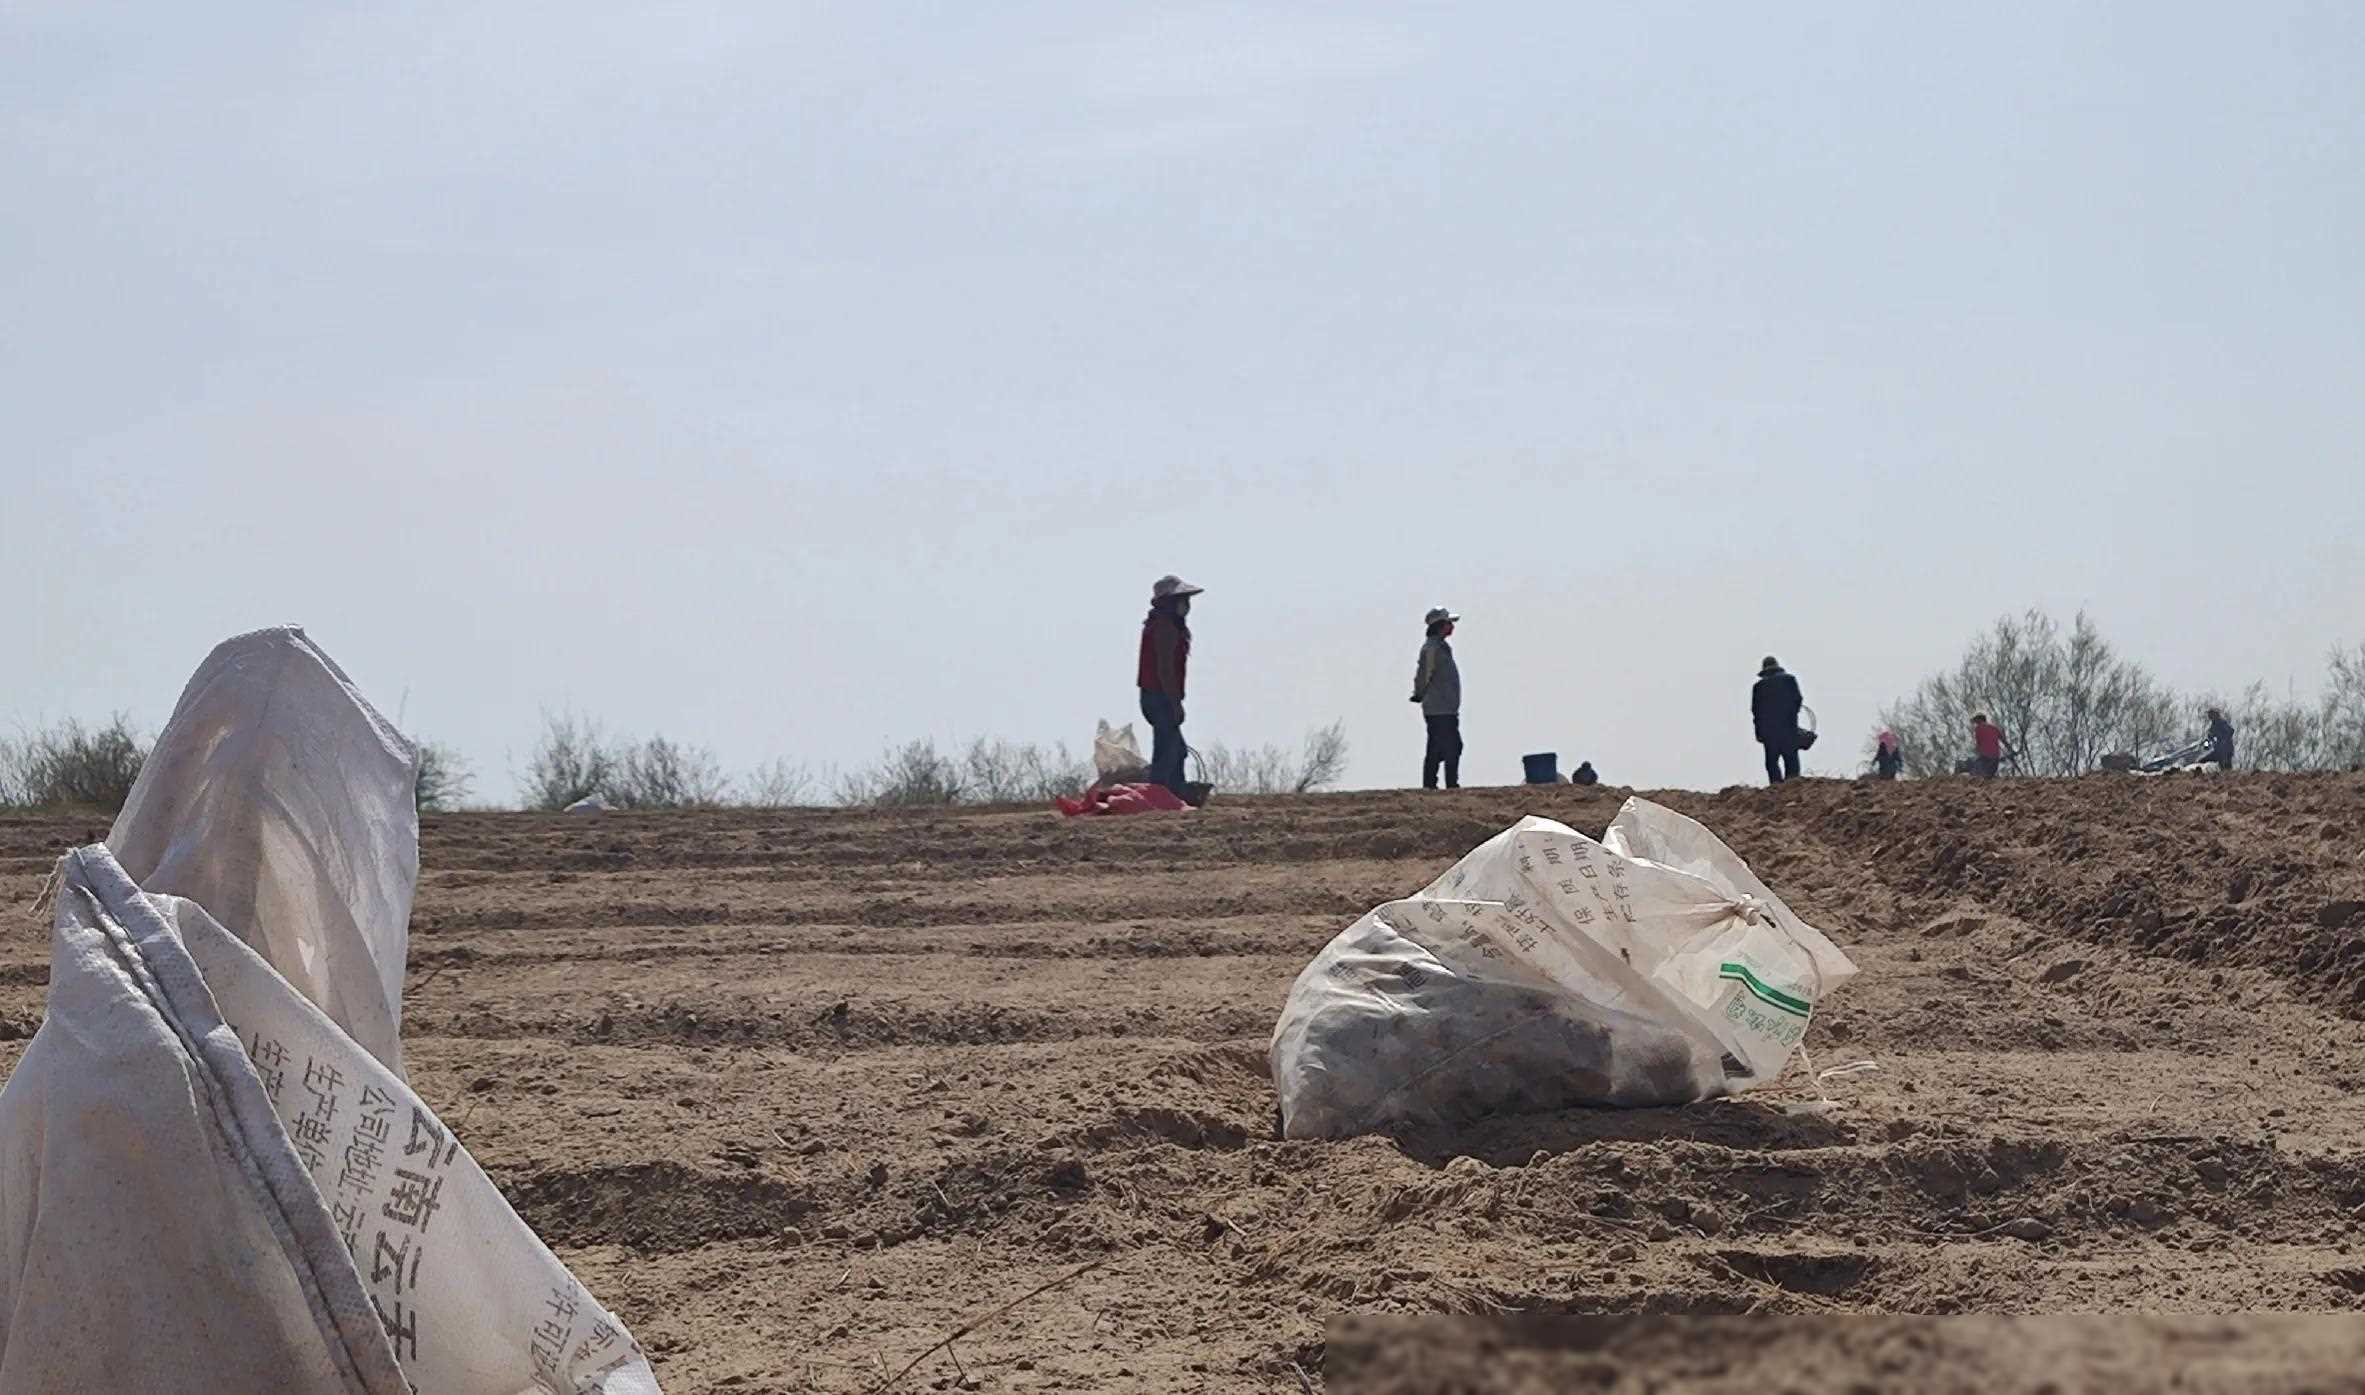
(1437, 687)
(1988, 747)
(2221, 740)
(1888, 757)
(1165, 660)
(1774, 704)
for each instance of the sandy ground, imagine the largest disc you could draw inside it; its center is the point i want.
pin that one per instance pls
(797, 1094)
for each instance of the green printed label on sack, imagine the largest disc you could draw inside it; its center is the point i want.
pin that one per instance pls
(1759, 989)
(1762, 1009)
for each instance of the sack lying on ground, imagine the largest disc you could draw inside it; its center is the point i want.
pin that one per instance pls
(1116, 756)
(1546, 970)
(213, 1178)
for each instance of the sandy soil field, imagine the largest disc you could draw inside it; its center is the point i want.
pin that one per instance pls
(798, 1094)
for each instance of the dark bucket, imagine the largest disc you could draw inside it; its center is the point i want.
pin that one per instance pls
(1543, 768)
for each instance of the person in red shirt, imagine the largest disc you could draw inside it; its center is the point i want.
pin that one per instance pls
(1989, 747)
(1165, 658)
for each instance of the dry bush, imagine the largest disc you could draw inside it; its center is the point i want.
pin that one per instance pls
(1318, 763)
(914, 774)
(989, 770)
(2269, 734)
(443, 780)
(661, 773)
(2064, 701)
(2344, 709)
(574, 760)
(780, 784)
(71, 766)
(1005, 772)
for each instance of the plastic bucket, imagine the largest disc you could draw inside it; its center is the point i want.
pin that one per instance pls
(1543, 768)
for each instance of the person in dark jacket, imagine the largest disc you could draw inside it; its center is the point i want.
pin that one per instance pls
(1585, 775)
(1437, 687)
(2221, 740)
(1888, 756)
(1774, 704)
(1164, 664)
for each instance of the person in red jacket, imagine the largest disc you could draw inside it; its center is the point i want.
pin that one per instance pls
(1165, 661)
(1988, 746)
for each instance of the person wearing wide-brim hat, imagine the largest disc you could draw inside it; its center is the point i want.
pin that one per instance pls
(1165, 660)
(1437, 687)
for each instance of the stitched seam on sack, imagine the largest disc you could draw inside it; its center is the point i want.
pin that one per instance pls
(142, 975)
(232, 1135)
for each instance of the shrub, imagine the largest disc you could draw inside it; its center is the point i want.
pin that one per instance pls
(1004, 772)
(989, 771)
(1318, 764)
(915, 774)
(571, 761)
(443, 780)
(71, 766)
(778, 785)
(574, 759)
(663, 774)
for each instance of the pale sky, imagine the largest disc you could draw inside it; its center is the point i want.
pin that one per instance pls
(795, 379)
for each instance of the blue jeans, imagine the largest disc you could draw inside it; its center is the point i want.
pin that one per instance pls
(1164, 715)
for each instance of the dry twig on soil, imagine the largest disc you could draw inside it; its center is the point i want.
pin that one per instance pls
(974, 1323)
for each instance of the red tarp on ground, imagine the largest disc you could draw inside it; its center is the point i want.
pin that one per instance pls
(1122, 799)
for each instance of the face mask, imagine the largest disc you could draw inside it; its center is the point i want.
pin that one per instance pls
(1183, 606)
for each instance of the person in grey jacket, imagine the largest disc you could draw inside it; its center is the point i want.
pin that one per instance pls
(1437, 687)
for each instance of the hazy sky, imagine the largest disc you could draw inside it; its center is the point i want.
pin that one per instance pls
(794, 379)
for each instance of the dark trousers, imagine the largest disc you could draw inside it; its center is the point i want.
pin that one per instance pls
(1781, 762)
(1985, 767)
(1167, 751)
(1445, 748)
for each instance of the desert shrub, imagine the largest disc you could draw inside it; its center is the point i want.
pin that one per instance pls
(1005, 772)
(443, 780)
(72, 766)
(572, 760)
(989, 770)
(2064, 701)
(2269, 733)
(575, 759)
(914, 774)
(2344, 709)
(778, 784)
(1318, 763)
(661, 773)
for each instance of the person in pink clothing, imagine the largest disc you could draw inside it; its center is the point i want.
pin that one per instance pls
(1988, 747)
